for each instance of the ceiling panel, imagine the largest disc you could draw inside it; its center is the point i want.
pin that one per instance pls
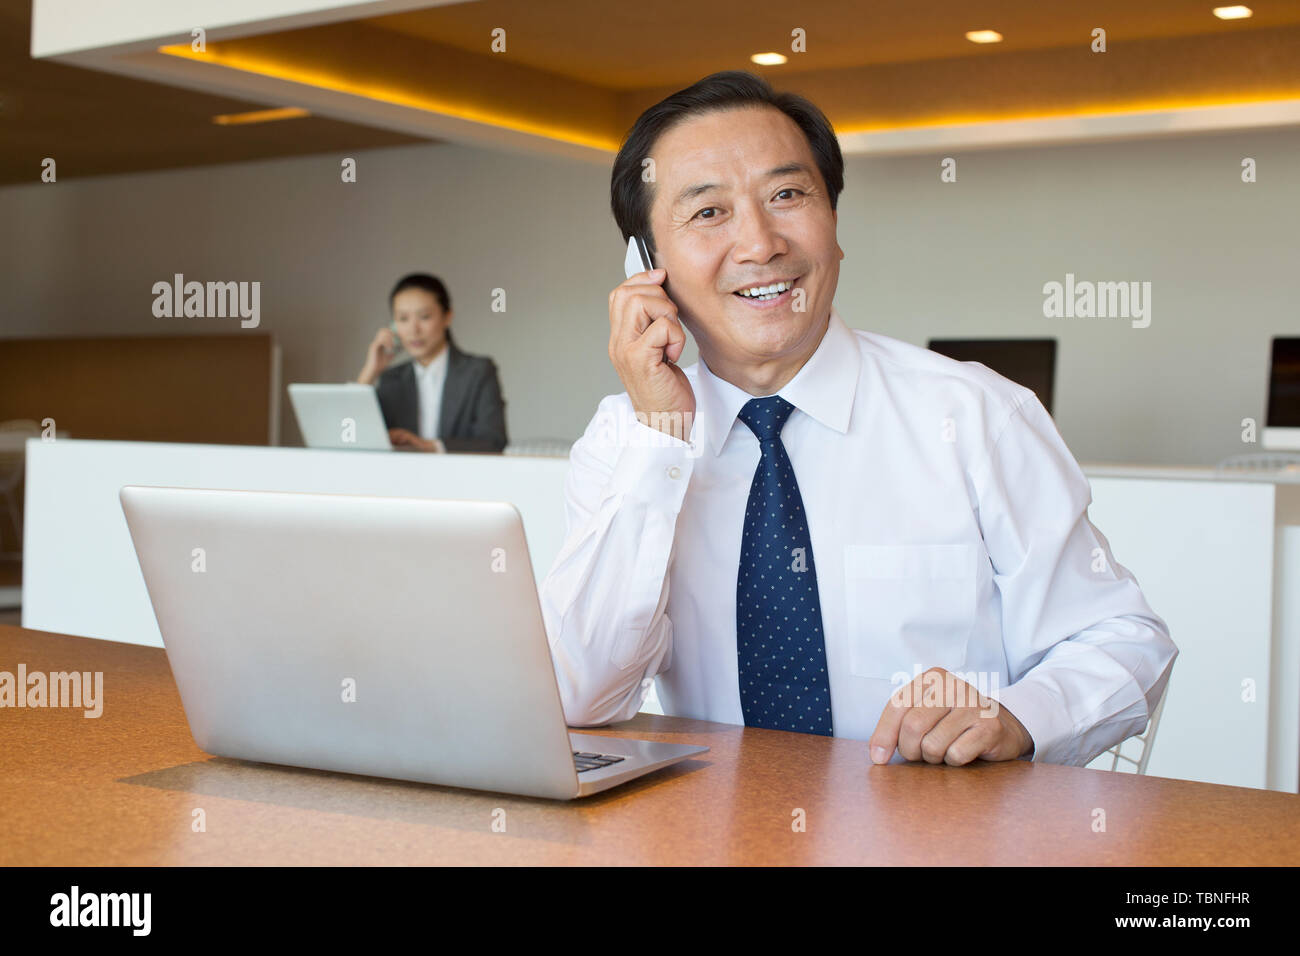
(94, 123)
(624, 46)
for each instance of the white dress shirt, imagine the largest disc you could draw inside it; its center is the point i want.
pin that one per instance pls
(949, 528)
(429, 379)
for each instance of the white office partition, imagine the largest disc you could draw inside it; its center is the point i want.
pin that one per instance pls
(80, 574)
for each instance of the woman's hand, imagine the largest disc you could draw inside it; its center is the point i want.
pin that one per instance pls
(380, 352)
(404, 440)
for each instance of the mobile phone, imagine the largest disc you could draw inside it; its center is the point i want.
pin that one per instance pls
(397, 340)
(637, 258)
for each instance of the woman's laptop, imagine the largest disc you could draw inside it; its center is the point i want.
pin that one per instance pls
(340, 416)
(394, 637)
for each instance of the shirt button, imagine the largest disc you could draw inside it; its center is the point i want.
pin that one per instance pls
(647, 682)
(674, 472)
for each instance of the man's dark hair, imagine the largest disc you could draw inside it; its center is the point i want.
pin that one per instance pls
(422, 280)
(629, 195)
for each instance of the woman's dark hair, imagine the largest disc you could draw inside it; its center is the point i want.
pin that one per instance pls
(630, 196)
(422, 280)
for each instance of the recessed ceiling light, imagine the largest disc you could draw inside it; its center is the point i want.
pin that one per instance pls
(984, 36)
(259, 116)
(1233, 13)
(768, 59)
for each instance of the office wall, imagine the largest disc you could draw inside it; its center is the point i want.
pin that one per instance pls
(923, 258)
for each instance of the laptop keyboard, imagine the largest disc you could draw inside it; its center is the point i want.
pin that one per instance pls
(586, 761)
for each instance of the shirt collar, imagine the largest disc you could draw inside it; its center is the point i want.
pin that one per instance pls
(435, 365)
(824, 387)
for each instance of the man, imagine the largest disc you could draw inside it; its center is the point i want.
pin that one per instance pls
(815, 528)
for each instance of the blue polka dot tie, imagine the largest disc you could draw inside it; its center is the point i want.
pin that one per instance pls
(779, 640)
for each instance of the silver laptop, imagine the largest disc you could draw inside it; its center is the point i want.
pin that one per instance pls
(393, 637)
(340, 416)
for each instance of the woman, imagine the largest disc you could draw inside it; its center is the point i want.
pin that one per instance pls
(443, 399)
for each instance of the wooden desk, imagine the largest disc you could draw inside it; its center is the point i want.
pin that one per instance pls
(121, 790)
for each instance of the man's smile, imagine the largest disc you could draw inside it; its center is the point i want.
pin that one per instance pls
(766, 295)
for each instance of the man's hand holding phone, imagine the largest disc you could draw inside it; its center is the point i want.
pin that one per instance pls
(646, 340)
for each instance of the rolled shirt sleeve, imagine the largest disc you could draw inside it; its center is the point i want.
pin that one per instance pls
(1087, 658)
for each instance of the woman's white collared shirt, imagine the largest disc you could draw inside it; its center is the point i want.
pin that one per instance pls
(949, 528)
(429, 382)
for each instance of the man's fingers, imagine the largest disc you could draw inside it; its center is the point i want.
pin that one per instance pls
(917, 723)
(643, 283)
(653, 277)
(931, 719)
(643, 350)
(884, 738)
(663, 333)
(636, 311)
(897, 728)
(956, 739)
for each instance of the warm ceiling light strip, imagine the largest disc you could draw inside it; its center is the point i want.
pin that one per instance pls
(984, 36)
(259, 116)
(1098, 111)
(386, 94)
(769, 59)
(401, 97)
(1233, 13)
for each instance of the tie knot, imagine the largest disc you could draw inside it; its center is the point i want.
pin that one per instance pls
(766, 416)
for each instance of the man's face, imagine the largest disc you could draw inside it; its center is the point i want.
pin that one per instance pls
(739, 203)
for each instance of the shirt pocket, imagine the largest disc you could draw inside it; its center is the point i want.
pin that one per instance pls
(908, 606)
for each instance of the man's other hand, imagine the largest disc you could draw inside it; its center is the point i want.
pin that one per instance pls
(939, 718)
